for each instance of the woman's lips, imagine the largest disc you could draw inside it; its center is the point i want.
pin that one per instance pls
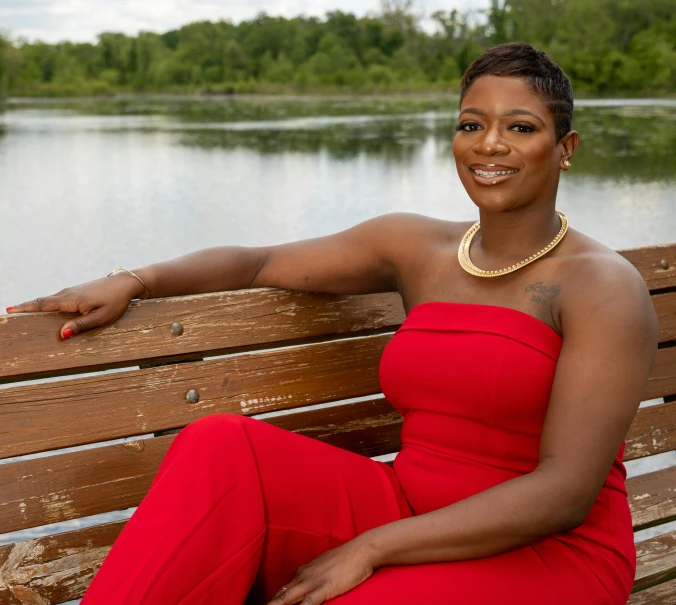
(492, 176)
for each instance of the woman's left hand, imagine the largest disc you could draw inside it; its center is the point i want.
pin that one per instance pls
(328, 576)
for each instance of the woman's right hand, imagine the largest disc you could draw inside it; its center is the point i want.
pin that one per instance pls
(100, 303)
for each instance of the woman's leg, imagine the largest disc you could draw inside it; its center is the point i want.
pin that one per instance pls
(234, 501)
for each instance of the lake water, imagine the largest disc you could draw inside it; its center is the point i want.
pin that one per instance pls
(86, 186)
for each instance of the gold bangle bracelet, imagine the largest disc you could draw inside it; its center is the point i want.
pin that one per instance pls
(120, 268)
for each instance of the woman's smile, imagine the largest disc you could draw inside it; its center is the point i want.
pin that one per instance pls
(491, 174)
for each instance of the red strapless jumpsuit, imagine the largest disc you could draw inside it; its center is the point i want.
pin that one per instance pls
(238, 505)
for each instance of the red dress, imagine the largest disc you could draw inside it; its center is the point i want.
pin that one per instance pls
(238, 505)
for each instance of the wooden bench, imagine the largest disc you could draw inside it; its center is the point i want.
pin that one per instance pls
(243, 352)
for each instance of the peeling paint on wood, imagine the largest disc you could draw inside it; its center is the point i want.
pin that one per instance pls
(641, 497)
(56, 568)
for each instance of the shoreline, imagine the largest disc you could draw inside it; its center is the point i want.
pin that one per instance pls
(581, 100)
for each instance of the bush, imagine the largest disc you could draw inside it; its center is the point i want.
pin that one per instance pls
(449, 71)
(381, 75)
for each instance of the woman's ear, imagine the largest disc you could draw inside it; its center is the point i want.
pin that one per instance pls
(568, 146)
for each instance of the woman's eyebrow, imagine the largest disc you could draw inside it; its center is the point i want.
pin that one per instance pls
(511, 112)
(516, 112)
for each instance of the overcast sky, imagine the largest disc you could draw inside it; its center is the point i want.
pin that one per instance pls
(82, 20)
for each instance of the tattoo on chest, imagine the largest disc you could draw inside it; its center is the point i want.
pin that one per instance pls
(542, 293)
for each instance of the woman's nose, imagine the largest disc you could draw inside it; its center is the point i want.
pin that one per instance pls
(491, 142)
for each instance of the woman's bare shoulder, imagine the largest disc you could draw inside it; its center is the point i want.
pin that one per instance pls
(410, 240)
(420, 229)
(600, 280)
(586, 258)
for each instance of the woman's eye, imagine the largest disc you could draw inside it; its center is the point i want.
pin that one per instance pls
(523, 128)
(467, 126)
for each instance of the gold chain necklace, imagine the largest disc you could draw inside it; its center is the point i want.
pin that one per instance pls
(467, 264)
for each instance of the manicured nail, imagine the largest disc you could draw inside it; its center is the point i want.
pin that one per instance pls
(67, 333)
(9, 309)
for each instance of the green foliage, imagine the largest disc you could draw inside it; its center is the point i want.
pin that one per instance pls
(605, 46)
(449, 70)
(3, 67)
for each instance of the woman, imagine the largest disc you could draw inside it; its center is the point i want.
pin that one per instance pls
(518, 369)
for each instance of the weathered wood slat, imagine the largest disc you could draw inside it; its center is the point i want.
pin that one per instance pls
(370, 428)
(662, 594)
(78, 484)
(131, 403)
(648, 261)
(88, 482)
(54, 569)
(655, 561)
(652, 432)
(652, 498)
(662, 381)
(665, 306)
(30, 345)
(59, 568)
(122, 404)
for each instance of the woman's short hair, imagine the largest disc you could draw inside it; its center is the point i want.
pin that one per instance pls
(522, 60)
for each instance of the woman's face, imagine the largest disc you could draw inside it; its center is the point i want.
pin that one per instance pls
(505, 148)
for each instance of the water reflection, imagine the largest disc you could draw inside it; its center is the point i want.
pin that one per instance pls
(620, 139)
(628, 143)
(393, 141)
(634, 144)
(211, 109)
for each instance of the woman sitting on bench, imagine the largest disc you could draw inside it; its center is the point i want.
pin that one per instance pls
(518, 370)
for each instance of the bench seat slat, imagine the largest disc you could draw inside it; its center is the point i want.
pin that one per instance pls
(653, 431)
(54, 569)
(30, 345)
(665, 307)
(369, 428)
(78, 484)
(662, 380)
(655, 561)
(85, 410)
(648, 262)
(652, 498)
(122, 404)
(114, 477)
(68, 561)
(662, 594)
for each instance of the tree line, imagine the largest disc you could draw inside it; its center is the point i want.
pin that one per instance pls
(605, 47)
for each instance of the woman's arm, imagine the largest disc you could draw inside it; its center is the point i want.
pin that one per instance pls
(610, 340)
(357, 260)
(362, 259)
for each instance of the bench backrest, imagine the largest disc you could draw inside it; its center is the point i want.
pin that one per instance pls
(246, 352)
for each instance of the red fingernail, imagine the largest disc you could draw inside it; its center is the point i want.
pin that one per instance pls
(67, 333)
(9, 309)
